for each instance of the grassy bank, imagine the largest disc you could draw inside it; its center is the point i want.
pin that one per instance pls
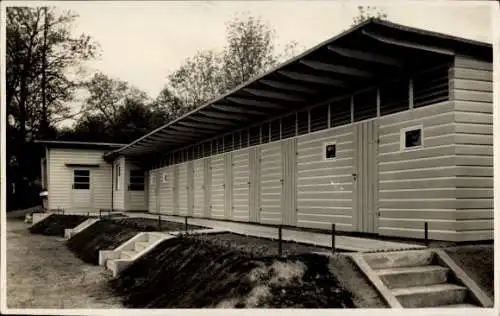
(55, 224)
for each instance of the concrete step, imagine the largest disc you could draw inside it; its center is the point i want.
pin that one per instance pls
(409, 258)
(141, 245)
(460, 306)
(127, 254)
(404, 277)
(431, 295)
(154, 237)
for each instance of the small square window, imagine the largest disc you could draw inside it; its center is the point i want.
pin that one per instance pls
(411, 137)
(330, 151)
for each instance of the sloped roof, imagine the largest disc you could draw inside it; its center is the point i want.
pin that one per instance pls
(358, 57)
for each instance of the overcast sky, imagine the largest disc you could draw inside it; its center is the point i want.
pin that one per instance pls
(142, 42)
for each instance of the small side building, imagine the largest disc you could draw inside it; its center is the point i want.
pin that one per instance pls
(76, 178)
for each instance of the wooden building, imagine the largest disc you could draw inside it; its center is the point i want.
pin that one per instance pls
(378, 130)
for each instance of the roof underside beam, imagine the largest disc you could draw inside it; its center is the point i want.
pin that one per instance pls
(222, 115)
(287, 86)
(274, 95)
(209, 120)
(256, 103)
(407, 44)
(237, 109)
(312, 78)
(211, 127)
(317, 65)
(365, 56)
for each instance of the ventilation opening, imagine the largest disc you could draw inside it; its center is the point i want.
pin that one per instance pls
(288, 126)
(394, 97)
(275, 130)
(244, 138)
(431, 87)
(237, 140)
(265, 133)
(365, 105)
(228, 143)
(340, 112)
(254, 135)
(319, 118)
(303, 122)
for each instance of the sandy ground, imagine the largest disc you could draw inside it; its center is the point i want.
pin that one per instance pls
(43, 273)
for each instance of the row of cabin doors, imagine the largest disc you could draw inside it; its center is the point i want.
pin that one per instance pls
(260, 183)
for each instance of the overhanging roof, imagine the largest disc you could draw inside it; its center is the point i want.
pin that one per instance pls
(359, 57)
(79, 145)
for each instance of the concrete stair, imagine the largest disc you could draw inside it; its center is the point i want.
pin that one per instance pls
(119, 259)
(420, 278)
(70, 232)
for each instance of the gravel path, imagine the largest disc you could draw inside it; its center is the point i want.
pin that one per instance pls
(43, 273)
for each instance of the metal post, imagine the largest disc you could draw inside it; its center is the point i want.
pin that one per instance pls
(333, 238)
(159, 222)
(280, 249)
(426, 233)
(186, 223)
(100, 211)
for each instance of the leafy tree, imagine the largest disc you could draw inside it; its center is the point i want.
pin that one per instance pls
(250, 51)
(40, 48)
(365, 13)
(199, 79)
(166, 107)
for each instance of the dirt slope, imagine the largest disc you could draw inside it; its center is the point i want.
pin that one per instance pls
(191, 273)
(55, 224)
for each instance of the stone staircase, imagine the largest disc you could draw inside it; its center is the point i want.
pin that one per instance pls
(120, 258)
(420, 278)
(70, 232)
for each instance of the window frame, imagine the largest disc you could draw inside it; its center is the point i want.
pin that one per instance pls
(136, 186)
(75, 183)
(325, 145)
(402, 137)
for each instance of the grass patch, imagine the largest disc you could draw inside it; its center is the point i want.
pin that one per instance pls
(258, 246)
(478, 262)
(195, 273)
(54, 225)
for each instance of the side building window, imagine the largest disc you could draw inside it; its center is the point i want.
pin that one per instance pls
(81, 179)
(136, 180)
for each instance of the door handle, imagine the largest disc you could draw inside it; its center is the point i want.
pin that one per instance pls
(355, 176)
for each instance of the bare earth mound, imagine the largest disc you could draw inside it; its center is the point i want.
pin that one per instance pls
(104, 235)
(108, 234)
(194, 273)
(55, 224)
(478, 262)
